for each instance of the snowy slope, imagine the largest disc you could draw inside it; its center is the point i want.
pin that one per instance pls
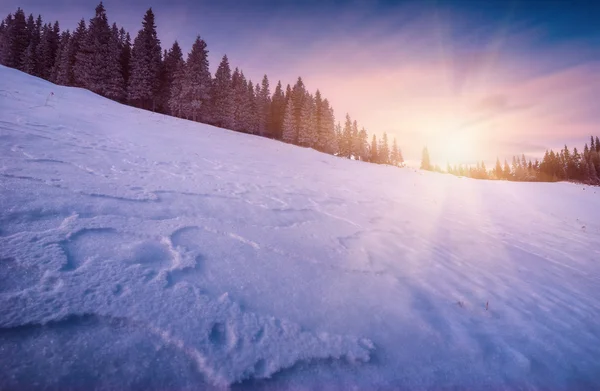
(139, 251)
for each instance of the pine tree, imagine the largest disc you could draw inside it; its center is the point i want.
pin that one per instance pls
(125, 57)
(384, 150)
(346, 140)
(498, 169)
(197, 82)
(222, 96)
(62, 72)
(240, 99)
(400, 158)
(298, 95)
(395, 154)
(263, 101)
(362, 149)
(327, 134)
(289, 126)
(278, 105)
(252, 113)
(29, 59)
(355, 141)
(144, 81)
(597, 145)
(79, 55)
(17, 39)
(3, 42)
(425, 163)
(97, 66)
(373, 151)
(593, 173)
(307, 135)
(592, 143)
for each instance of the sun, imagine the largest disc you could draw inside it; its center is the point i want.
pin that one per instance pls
(455, 149)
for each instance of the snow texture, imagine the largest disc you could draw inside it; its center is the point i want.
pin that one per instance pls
(139, 251)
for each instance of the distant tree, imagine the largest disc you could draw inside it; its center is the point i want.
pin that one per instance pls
(425, 163)
(263, 101)
(362, 149)
(144, 81)
(597, 145)
(252, 113)
(498, 170)
(327, 133)
(395, 154)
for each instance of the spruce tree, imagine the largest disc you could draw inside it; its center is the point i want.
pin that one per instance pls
(222, 96)
(384, 150)
(346, 140)
(114, 85)
(395, 154)
(125, 57)
(62, 72)
(252, 113)
(197, 82)
(263, 101)
(597, 145)
(327, 134)
(79, 55)
(373, 151)
(363, 144)
(593, 173)
(3, 42)
(289, 125)
(144, 81)
(278, 106)
(498, 169)
(17, 39)
(307, 135)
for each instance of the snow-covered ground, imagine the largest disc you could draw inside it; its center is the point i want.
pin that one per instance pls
(139, 251)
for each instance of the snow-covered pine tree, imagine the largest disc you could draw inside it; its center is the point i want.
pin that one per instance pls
(327, 135)
(240, 100)
(307, 134)
(79, 54)
(346, 140)
(384, 150)
(363, 145)
(339, 139)
(252, 119)
(355, 141)
(197, 82)
(125, 56)
(96, 67)
(62, 72)
(264, 107)
(17, 39)
(395, 154)
(222, 96)
(289, 125)
(373, 152)
(278, 105)
(298, 95)
(144, 82)
(114, 85)
(3, 42)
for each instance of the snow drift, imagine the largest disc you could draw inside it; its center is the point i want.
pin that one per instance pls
(143, 251)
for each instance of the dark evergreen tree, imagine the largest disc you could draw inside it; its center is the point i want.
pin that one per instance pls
(125, 59)
(197, 82)
(3, 42)
(252, 113)
(62, 72)
(222, 96)
(307, 135)
(144, 80)
(263, 101)
(278, 106)
(597, 145)
(79, 55)
(18, 39)
(327, 134)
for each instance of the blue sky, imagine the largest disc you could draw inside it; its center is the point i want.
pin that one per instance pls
(470, 79)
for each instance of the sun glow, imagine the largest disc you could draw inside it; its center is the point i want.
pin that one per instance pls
(455, 149)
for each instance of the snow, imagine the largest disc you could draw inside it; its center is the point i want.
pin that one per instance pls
(139, 251)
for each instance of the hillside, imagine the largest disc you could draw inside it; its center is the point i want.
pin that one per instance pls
(140, 251)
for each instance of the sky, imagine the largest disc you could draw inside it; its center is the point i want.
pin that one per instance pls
(471, 80)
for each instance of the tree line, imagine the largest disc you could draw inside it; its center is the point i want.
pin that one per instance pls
(565, 165)
(103, 59)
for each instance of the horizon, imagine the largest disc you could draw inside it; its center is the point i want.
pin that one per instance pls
(470, 83)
